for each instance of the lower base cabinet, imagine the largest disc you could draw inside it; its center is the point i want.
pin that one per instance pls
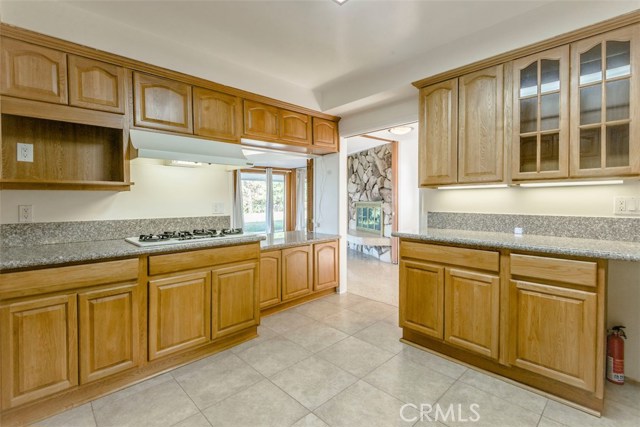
(235, 298)
(297, 272)
(422, 297)
(270, 278)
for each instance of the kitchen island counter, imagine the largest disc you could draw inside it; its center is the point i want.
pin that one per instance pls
(591, 248)
(289, 239)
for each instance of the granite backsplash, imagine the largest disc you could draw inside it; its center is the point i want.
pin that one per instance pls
(584, 227)
(25, 234)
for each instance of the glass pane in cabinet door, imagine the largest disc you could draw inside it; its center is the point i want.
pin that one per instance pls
(528, 115)
(618, 145)
(591, 65)
(550, 152)
(550, 111)
(550, 75)
(529, 80)
(590, 104)
(528, 153)
(618, 59)
(617, 100)
(590, 148)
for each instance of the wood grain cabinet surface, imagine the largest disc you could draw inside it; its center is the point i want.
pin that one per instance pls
(297, 272)
(235, 298)
(422, 297)
(33, 72)
(39, 348)
(179, 313)
(217, 115)
(294, 127)
(270, 278)
(325, 266)
(109, 331)
(162, 103)
(261, 120)
(96, 85)
(325, 134)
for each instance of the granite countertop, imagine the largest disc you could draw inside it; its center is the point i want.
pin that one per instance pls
(605, 249)
(290, 239)
(22, 257)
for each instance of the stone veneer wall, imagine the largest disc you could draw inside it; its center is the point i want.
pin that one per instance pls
(370, 180)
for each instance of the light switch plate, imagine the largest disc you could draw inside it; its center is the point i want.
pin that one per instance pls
(25, 152)
(626, 205)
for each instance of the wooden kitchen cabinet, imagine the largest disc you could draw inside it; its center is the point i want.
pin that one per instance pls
(540, 144)
(96, 85)
(39, 348)
(235, 298)
(325, 134)
(294, 127)
(33, 72)
(270, 278)
(261, 120)
(480, 121)
(472, 311)
(162, 103)
(109, 328)
(325, 270)
(179, 313)
(297, 272)
(605, 110)
(422, 297)
(438, 134)
(217, 115)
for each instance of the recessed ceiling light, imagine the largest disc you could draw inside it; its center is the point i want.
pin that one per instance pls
(340, 2)
(401, 130)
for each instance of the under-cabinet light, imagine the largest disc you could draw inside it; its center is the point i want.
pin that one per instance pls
(570, 183)
(469, 187)
(183, 163)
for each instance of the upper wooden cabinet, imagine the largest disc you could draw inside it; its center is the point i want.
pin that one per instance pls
(438, 149)
(540, 144)
(96, 85)
(295, 127)
(217, 115)
(39, 348)
(33, 72)
(325, 134)
(605, 115)
(162, 104)
(481, 118)
(260, 120)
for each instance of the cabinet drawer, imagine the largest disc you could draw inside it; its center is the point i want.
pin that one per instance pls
(160, 264)
(471, 258)
(582, 273)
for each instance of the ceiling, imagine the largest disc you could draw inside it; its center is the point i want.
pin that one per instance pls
(359, 143)
(316, 53)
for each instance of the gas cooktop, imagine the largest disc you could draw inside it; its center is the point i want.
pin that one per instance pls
(174, 237)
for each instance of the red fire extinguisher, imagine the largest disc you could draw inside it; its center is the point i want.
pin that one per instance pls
(615, 355)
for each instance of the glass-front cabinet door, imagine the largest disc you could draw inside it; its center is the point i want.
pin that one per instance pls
(604, 104)
(540, 148)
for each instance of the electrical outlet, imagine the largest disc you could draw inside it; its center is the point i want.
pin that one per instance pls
(25, 213)
(25, 152)
(218, 207)
(626, 206)
(620, 205)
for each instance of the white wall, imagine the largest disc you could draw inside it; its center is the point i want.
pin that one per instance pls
(407, 188)
(326, 177)
(160, 191)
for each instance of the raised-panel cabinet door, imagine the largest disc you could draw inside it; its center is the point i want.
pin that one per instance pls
(217, 115)
(33, 72)
(39, 347)
(96, 85)
(179, 313)
(295, 127)
(162, 104)
(270, 278)
(325, 134)
(540, 144)
(260, 120)
(326, 265)
(471, 311)
(297, 272)
(554, 332)
(109, 331)
(481, 121)
(235, 298)
(438, 136)
(605, 115)
(422, 297)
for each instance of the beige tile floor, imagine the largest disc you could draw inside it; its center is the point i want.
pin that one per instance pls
(337, 362)
(369, 277)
